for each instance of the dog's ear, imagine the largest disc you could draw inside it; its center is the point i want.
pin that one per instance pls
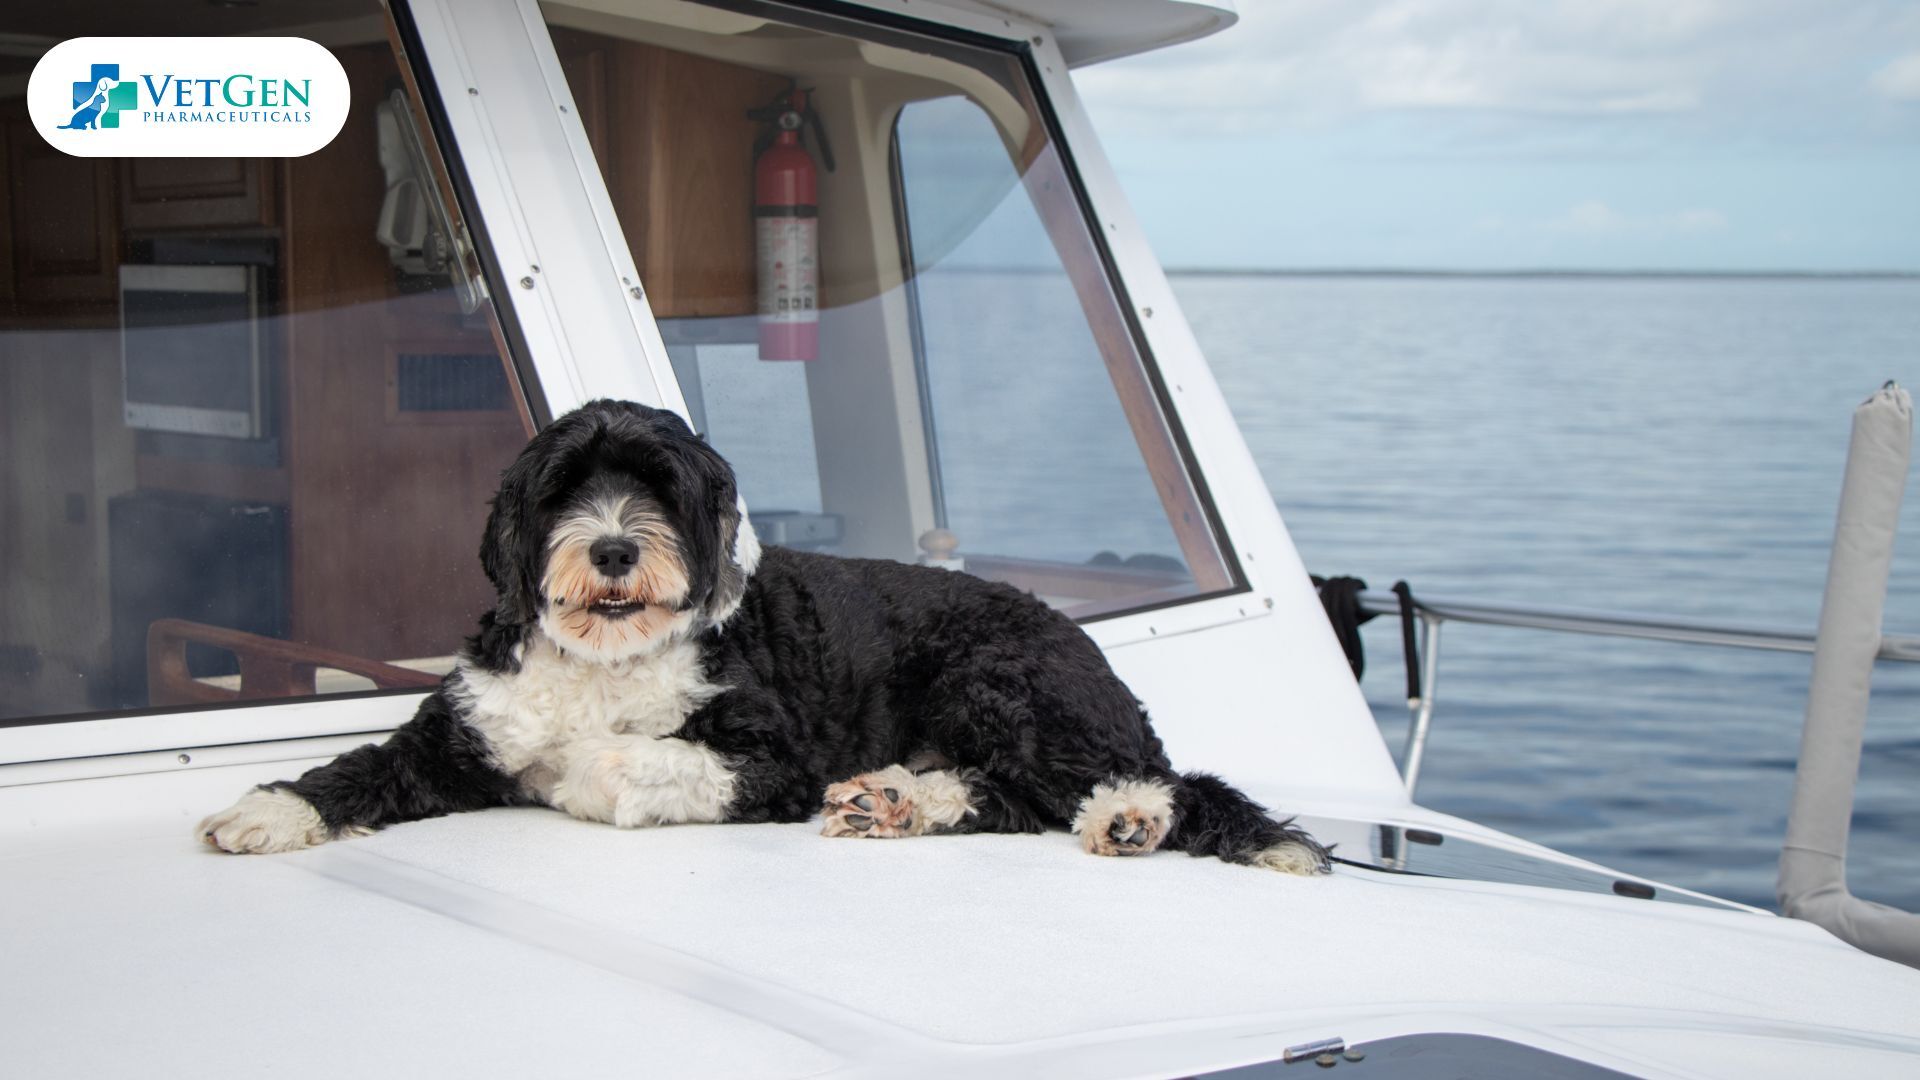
(721, 547)
(509, 549)
(738, 557)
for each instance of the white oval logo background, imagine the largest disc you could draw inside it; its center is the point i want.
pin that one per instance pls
(188, 97)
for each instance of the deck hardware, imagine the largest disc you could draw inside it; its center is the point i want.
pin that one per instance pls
(1037, 41)
(1269, 603)
(1355, 1054)
(473, 91)
(563, 108)
(185, 759)
(1423, 836)
(1313, 1049)
(1326, 1061)
(636, 293)
(535, 268)
(1148, 312)
(1637, 890)
(526, 283)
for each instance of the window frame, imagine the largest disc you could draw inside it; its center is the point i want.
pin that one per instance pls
(1022, 51)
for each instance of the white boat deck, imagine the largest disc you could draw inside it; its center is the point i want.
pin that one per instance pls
(520, 940)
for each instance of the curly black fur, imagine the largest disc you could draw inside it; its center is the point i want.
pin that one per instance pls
(831, 667)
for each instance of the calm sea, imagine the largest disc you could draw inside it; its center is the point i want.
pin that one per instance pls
(1671, 446)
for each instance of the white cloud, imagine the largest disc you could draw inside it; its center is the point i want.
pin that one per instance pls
(1323, 60)
(1900, 80)
(1593, 217)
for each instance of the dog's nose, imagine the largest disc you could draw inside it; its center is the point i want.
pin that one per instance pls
(614, 556)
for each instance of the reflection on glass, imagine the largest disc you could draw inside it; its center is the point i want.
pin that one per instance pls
(249, 419)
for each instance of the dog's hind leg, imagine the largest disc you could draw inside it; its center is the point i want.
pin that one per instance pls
(1125, 817)
(895, 802)
(1211, 817)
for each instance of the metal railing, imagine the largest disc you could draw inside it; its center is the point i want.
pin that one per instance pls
(1813, 857)
(1434, 612)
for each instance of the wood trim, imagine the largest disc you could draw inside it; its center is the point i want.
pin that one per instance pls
(269, 667)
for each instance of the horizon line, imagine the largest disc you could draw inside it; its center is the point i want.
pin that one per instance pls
(1386, 271)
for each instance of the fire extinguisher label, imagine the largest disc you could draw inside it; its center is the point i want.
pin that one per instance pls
(789, 269)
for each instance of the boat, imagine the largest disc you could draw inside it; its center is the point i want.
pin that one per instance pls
(253, 409)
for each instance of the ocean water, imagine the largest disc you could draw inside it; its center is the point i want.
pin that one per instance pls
(1660, 445)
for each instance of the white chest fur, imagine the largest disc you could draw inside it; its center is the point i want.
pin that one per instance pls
(556, 703)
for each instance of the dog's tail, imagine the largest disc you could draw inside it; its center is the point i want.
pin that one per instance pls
(1212, 817)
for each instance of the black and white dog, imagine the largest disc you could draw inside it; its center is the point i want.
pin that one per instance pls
(647, 663)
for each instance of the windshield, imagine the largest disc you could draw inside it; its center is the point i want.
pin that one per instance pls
(871, 268)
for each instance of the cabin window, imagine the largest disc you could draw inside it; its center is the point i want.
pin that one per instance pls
(251, 410)
(977, 397)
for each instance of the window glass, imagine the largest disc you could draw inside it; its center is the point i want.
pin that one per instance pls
(944, 372)
(251, 410)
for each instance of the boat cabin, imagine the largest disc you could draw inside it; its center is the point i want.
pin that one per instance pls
(255, 407)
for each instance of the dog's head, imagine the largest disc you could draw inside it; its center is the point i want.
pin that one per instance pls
(616, 530)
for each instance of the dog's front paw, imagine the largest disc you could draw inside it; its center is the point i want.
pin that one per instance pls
(265, 821)
(877, 804)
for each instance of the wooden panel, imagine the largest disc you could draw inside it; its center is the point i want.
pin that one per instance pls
(172, 193)
(214, 478)
(385, 516)
(586, 59)
(673, 142)
(65, 233)
(6, 223)
(700, 243)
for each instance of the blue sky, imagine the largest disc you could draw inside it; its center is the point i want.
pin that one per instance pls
(1523, 134)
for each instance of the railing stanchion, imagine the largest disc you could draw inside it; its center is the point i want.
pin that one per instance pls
(1422, 706)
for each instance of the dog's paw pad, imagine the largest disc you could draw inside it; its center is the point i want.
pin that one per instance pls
(1130, 832)
(871, 805)
(1127, 818)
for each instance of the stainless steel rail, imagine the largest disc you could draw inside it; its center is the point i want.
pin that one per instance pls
(1904, 648)
(1436, 611)
(1850, 641)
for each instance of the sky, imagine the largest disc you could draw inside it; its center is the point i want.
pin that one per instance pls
(1742, 135)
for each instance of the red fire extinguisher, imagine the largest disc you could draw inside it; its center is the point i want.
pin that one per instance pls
(786, 224)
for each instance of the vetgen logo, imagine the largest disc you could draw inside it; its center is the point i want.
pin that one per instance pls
(100, 98)
(188, 97)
